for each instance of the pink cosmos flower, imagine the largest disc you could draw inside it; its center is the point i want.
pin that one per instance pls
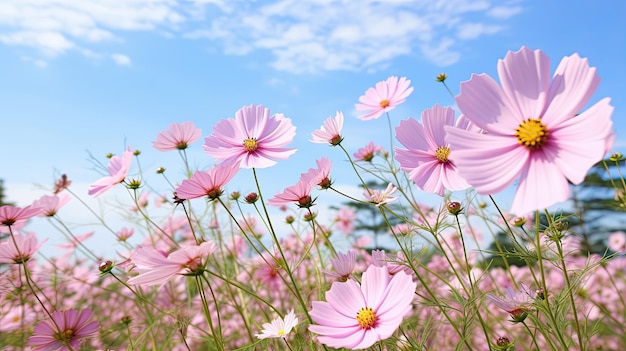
(384, 98)
(356, 316)
(16, 317)
(19, 248)
(330, 131)
(534, 133)
(178, 136)
(118, 169)
(69, 327)
(617, 241)
(367, 153)
(50, 204)
(61, 184)
(156, 269)
(279, 328)
(10, 215)
(381, 197)
(124, 234)
(299, 194)
(345, 220)
(252, 139)
(343, 264)
(427, 158)
(320, 175)
(209, 183)
(516, 302)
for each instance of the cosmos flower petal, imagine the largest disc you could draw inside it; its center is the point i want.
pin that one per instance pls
(346, 298)
(434, 119)
(324, 313)
(371, 284)
(472, 152)
(541, 184)
(573, 84)
(526, 92)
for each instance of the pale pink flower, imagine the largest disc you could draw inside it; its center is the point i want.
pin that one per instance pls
(345, 220)
(516, 302)
(427, 158)
(142, 202)
(19, 248)
(617, 241)
(124, 233)
(118, 169)
(156, 269)
(252, 139)
(279, 327)
(330, 131)
(50, 204)
(368, 152)
(10, 215)
(66, 327)
(300, 194)
(381, 197)
(320, 175)
(343, 265)
(74, 242)
(178, 136)
(534, 132)
(210, 183)
(356, 316)
(16, 317)
(384, 97)
(61, 184)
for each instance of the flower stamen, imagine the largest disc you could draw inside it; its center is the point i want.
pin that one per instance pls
(442, 153)
(250, 144)
(385, 103)
(532, 133)
(366, 318)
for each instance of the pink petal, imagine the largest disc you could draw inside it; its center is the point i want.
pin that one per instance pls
(373, 284)
(525, 78)
(346, 298)
(324, 314)
(434, 119)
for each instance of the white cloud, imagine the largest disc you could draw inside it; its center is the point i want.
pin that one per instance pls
(121, 59)
(303, 36)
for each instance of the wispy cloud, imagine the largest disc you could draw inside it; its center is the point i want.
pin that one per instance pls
(303, 36)
(121, 59)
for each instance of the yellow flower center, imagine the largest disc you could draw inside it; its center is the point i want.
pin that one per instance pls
(385, 103)
(442, 153)
(281, 332)
(66, 335)
(366, 318)
(532, 133)
(250, 144)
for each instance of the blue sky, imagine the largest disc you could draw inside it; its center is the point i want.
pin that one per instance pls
(93, 76)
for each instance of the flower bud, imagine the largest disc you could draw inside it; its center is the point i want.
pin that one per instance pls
(518, 221)
(441, 77)
(454, 208)
(252, 198)
(105, 267)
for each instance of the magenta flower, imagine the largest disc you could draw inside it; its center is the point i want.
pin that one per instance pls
(356, 316)
(427, 158)
(155, 268)
(367, 153)
(118, 169)
(19, 248)
(69, 327)
(178, 136)
(534, 132)
(384, 98)
(330, 131)
(9, 215)
(300, 193)
(320, 175)
(210, 183)
(381, 197)
(50, 204)
(252, 139)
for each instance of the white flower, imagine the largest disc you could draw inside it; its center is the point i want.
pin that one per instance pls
(279, 327)
(381, 197)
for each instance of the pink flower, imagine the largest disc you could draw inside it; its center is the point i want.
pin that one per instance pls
(320, 175)
(252, 139)
(516, 302)
(155, 268)
(10, 215)
(19, 248)
(50, 204)
(69, 327)
(330, 131)
(381, 197)
(178, 136)
(617, 241)
(427, 158)
(118, 169)
(279, 328)
(124, 234)
(384, 98)
(16, 317)
(534, 133)
(74, 242)
(345, 220)
(61, 184)
(299, 194)
(343, 264)
(367, 153)
(356, 316)
(209, 183)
